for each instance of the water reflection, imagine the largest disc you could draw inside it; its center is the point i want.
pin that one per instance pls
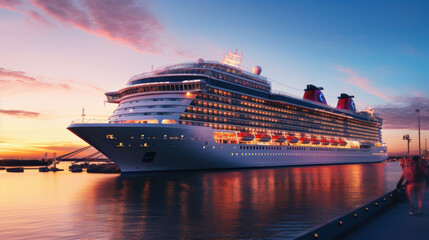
(256, 203)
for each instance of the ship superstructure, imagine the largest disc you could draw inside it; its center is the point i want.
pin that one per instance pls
(205, 115)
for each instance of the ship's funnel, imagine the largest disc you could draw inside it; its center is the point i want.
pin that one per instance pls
(345, 101)
(315, 94)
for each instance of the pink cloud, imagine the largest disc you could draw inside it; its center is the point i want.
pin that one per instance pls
(5, 73)
(10, 4)
(19, 113)
(14, 82)
(17, 82)
(362, 83)
(125, 22)
(40, 18)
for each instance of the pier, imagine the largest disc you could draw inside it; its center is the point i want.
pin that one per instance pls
(395, 223)
(383, 218)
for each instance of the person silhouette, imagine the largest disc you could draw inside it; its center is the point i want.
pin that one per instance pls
(414, 174)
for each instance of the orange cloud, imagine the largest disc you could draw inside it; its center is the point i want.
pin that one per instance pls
(362, 83)
(19, 113)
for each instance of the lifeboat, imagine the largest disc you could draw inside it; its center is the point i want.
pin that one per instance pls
(262, 137)
(334, 142)
(304, 140)
(292, 139)
(315, 141)
(279, 138)
(343, 142)
(325, 141)
(245, 137)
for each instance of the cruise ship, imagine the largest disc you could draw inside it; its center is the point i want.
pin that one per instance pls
(216, 115)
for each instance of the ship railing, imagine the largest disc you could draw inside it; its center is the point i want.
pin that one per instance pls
(166, 68)
(90, 120)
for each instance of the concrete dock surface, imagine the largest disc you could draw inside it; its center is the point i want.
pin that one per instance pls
(395, 223)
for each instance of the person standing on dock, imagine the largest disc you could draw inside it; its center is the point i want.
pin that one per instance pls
(415, 176)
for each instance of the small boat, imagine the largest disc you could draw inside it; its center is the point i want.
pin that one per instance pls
(334, 142)
(304, 140)
(76, 169)
(315, 141)
(17, 169)
(292, 139)
(279, 138)
(325, 141)
(44, 169)
(342, 142)
(245, 137)
(262, 137)
(55, 169)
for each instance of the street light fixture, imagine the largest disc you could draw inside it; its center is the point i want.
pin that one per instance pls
(407, 137)
(418, 114)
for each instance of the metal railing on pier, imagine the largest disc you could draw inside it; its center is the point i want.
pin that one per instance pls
(344, 225)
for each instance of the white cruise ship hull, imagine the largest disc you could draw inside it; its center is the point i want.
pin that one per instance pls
(162, 147)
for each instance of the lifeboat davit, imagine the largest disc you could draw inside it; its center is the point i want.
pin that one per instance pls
(262, 137)
(325, 141)
(334, 142)
(245, 137)
(315, 141)
(279, 138)
(292, 139)
(343, 142)
(304, 140)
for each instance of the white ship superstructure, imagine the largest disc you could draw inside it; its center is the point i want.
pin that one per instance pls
(211, 115)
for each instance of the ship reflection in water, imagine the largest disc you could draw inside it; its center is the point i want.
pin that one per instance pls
(252, 203)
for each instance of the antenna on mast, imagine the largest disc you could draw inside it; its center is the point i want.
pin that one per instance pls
(233, 59)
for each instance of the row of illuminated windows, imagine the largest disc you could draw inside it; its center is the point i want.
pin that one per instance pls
(360, 127)
(160, 87)
(280, 107)
(271, 126)
(149, 100)
(259, 115)
(262, 113)
(250, 115)
(241, 128)
(146, 107)
(273, 131)
(301, 126)
(278, 154)
(144, 114)
(315, 115)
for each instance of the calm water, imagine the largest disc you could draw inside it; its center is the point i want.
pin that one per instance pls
(252, 203)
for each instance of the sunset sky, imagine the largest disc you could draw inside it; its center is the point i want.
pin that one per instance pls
(59, 56)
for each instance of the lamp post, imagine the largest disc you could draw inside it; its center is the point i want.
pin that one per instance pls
(407, 137)
(418, 114)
